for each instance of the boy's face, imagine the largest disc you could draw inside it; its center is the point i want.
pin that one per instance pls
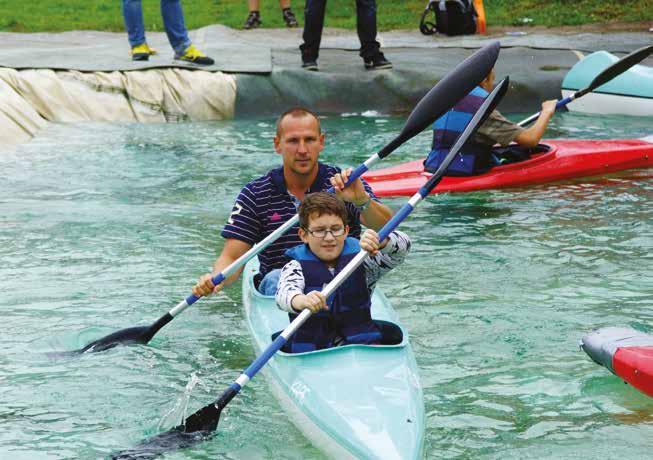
(327, 249)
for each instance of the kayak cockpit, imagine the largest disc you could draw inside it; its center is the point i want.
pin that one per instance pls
(392, 336)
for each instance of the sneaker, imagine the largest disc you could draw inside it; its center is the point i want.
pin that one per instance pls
(194, 56)
(142, 52)
(253, 20)
(310, 65)
(289, 18)
(378, 62)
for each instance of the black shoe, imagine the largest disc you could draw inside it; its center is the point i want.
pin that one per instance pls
(378, 62)
(310, 65)
(253, 20)
(289, 18)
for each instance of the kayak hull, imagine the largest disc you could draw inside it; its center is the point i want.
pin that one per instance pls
(610, 104)
(355, 401)
(630, 93)
(626, 352)
(566, 159)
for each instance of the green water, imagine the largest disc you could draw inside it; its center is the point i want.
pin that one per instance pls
(104, 226)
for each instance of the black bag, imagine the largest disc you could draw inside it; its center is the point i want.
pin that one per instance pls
(452, 17)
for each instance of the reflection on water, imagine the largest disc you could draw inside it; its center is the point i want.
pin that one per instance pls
(106, 226)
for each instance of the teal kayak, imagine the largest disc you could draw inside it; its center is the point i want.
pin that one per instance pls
(354, 401)
(630, 93)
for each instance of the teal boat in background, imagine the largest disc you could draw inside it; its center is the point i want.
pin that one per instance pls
(354, 401)
(630, 93)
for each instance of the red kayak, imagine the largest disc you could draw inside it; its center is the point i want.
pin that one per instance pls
(626, 352)
(564, 159)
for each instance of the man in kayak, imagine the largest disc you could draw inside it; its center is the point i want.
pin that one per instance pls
(476, 156)
(266, 203)
(345, 317)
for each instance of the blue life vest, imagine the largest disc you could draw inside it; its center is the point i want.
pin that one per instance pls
(349, 307)
(473, 158)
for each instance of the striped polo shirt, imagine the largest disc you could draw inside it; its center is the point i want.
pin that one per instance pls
(264, 204)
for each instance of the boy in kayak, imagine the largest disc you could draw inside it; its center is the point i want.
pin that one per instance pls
(345, 317)
(476, 156)
(266, 203)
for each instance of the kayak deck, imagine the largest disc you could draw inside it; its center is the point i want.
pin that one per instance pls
(355, 401)
(566, 159)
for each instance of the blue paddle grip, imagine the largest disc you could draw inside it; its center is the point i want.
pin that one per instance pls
(217, 279)
(264, 357)
(563, 102)
(355, 174)
(395, 221)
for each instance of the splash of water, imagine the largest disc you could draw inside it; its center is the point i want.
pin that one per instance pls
(177, 414)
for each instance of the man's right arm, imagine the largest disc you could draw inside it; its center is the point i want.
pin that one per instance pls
(231, 251)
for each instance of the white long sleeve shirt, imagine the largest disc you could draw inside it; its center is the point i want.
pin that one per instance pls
(291, 281)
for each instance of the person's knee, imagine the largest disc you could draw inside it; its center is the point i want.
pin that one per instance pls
(269, 283)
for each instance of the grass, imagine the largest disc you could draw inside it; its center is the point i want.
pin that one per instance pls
(105, 15)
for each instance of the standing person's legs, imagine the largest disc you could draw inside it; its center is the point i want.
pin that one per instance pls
(254, 16)
(287, 14)
(366, 28)
(132, 12)
(313, 25)
(173, 21)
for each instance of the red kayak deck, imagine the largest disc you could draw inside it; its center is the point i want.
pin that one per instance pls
(566, 159)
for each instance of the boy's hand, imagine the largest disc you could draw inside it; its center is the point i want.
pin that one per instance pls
(370, 242)
(314, 301)
(205, 286)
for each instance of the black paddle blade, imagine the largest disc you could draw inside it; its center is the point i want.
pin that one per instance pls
(196, 428)
(618, 68)
(155, 446)
(128, 336)
(139, 334)
(446, 93)
(206, 419)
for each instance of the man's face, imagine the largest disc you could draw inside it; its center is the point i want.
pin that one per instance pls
(299, 143)
(329, 247)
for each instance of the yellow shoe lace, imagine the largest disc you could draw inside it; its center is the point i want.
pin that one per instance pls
(192, 53)
(144, 49)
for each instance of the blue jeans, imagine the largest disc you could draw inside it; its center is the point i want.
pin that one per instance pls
(314, 23)
(269, 282)
(173, 21)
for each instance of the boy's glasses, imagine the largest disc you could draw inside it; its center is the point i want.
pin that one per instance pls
(322, 233)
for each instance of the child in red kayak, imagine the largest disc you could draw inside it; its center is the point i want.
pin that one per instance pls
(343, 318)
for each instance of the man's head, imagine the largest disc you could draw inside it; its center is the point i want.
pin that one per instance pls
(323, 225)
(299, 140)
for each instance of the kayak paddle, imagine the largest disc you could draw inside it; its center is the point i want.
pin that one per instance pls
(205, 421)
(605, 76)
(442, 97)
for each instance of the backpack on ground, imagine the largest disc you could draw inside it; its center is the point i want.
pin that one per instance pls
(452, 17)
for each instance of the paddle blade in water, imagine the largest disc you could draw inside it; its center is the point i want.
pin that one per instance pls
(196, 428)
(446, 93)
(155, 446)
(139, 334)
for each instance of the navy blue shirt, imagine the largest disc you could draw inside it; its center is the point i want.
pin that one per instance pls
(264, 204)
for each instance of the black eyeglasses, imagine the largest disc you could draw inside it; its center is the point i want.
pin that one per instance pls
(322, 233)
